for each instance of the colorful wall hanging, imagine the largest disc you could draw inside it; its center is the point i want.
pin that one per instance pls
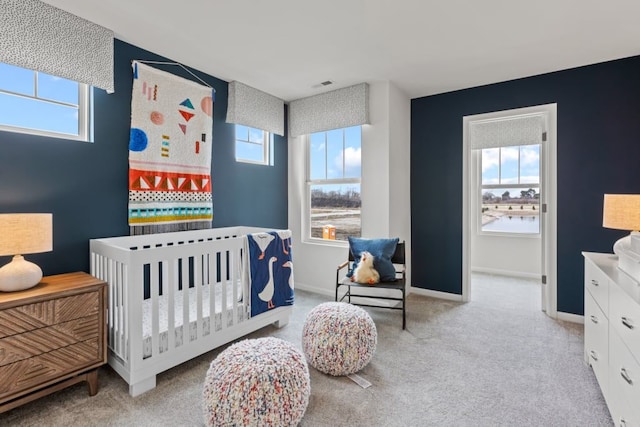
(169, 152)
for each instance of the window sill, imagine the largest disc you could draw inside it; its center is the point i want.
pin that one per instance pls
(508, 234)
(326, 242)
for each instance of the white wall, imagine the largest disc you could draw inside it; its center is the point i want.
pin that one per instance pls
(384, 189)
(513, 256)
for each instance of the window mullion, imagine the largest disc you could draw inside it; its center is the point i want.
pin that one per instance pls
(500, 165)
(326, 156)
(344, 162)
(265, 145)
(519, 151)
(82, 117)
(35, 98)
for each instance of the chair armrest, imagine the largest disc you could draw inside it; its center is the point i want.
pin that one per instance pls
(338, 284)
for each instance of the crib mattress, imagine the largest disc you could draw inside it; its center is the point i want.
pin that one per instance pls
(163, 316)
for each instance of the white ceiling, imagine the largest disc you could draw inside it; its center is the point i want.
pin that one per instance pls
(424, 47)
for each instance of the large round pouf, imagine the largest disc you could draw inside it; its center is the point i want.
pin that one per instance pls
(339, 338)
(257, 382)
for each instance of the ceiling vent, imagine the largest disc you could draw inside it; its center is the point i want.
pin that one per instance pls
(326, 83)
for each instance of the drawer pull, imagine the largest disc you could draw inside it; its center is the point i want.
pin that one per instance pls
(624, 374)
(594, 319)
(594, 282)
(593, 355)
(626, 322)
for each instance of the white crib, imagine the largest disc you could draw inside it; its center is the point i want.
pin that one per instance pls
(147, 333)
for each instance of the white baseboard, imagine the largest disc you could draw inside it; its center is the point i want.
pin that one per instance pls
(331, 293)
(566, 317)
(435, 294)
(509, 273)
(316, 290)
(570, 317)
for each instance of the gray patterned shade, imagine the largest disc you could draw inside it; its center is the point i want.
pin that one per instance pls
(40, 37)
(508, 132)
(254, 108)
(337, 109)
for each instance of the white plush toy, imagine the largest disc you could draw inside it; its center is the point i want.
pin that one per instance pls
(364, 272)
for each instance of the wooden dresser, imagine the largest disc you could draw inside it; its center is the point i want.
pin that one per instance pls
(51, 336)
(612, 335)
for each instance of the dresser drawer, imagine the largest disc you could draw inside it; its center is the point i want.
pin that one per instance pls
(597, 284)
(49, 367)
(596, 343)
(621, 414)
(29, 317)
(624, 382)
(624, 316)
(28, 344)
(52, 336)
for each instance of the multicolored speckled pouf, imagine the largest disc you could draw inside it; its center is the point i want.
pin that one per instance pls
(257, 382)
(339, 338)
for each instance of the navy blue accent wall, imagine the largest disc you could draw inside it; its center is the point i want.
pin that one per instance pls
(598, 151)
(85, 185)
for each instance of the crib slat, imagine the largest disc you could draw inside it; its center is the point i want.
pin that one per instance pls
(117, 316)
(224, 316)
(154, 283)
(234, 286)
(212, 292)
(197, 283)
(185, 301)
(109, 272)
(172, 288)
(119, 312)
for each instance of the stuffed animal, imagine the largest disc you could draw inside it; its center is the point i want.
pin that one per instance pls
(364, 272)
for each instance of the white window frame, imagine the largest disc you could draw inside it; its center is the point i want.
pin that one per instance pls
(267, 143)
(306, 219)
(518, 186)
(85, 103)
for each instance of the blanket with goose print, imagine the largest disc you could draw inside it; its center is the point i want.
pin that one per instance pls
(270, 270)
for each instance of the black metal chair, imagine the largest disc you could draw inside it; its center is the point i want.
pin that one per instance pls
(399, 285)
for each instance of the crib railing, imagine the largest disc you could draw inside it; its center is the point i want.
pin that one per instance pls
(152, 270)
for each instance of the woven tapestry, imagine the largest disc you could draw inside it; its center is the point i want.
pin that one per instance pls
(169, 153)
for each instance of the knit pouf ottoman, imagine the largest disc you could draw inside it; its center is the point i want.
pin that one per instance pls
(339, 338)
(257, 382)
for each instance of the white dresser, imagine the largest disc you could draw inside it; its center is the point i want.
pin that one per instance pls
(612, 335)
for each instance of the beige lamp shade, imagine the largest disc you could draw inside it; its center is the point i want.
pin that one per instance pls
(621, 211)
(26, 233)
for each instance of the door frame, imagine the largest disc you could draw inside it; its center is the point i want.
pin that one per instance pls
(548, 221)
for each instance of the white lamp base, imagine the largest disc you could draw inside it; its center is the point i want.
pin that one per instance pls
(622, 245)
(19, 274)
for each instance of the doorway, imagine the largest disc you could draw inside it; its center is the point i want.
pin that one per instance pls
(496, 201)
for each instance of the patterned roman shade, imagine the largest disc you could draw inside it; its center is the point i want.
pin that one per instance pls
(254, 108)
(337, 109)
(38, 36)
(507, 132)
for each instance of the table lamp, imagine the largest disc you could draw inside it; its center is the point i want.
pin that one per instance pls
(622, 212)
(24, 233)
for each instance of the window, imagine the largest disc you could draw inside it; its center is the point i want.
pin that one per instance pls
(253, 145)
(510, 189)
(42, 104)
(333, 184)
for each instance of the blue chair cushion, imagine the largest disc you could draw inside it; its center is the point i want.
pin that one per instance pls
(381, 249)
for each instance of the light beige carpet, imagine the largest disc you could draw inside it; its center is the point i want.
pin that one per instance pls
(495, 361)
